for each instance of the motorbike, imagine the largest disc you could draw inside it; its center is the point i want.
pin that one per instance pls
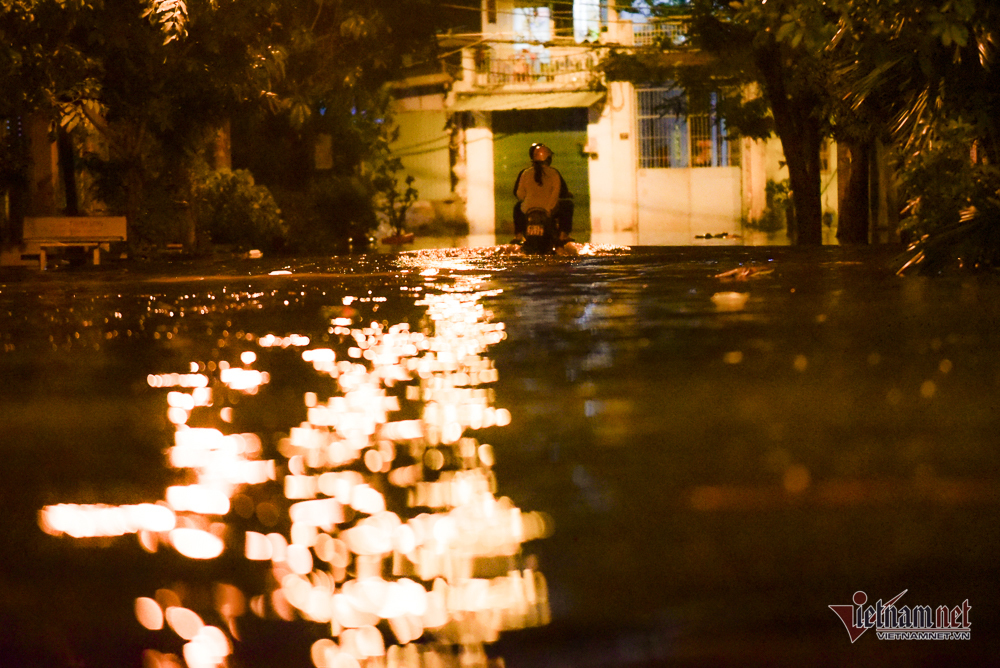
(541, 235)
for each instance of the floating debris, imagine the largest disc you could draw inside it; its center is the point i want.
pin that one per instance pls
(743, 273)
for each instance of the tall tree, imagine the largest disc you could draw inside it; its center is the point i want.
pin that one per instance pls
(35, 61)
(155, 76)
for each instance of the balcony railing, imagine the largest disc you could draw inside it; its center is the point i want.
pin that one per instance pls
(558, 65)
(654, 32)
(529, 70)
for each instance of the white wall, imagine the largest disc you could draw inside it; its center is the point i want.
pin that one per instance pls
(754, 160)
(676, 205)
(503, 28)
(480, 208)
(654, 206)
(423, 146)
(613, 212)
(621, 103)
(601, 175)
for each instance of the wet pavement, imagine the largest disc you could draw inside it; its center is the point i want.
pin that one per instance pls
(702, 464)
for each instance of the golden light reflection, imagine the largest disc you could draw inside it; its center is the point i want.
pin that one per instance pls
(185, 623)
(272, 341)
(149, 613)
(100, 520)
(730, 301)
(196, 543)
(207, 649)
(200, 499)
(177, 379)
(430, 262)
(390, 529)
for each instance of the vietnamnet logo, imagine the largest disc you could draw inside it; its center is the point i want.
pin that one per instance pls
(892, 622)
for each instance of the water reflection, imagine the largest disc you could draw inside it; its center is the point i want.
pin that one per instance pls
(375, 518)
(719, 476)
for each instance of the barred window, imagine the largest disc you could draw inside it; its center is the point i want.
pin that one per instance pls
(663, 131)
(675, 131)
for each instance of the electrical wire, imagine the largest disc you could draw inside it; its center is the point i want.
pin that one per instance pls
(502, 38)
(561, 14)
(603, 4)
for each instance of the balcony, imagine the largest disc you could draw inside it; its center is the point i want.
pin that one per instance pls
(661, 32)
(503, 66)
(537, 70)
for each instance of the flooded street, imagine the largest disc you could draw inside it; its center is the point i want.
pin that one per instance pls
(620, 459)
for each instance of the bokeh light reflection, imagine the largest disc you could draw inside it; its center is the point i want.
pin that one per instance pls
(149, 613)
(379, 518)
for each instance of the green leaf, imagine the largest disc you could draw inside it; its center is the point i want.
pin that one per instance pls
(960, 34)
(784, 31)
(300, 113)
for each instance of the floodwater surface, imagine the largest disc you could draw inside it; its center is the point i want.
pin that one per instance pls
(635, 457)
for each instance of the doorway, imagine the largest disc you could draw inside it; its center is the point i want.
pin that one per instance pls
(562, 130)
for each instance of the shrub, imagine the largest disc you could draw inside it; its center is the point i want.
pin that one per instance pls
(778, 203)
(333, 214)
(232, 209)
(952, 204)
(941, 180)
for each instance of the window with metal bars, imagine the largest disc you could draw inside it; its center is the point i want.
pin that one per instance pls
(675, 131)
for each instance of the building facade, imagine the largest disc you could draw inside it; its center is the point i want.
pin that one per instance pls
(641, 171)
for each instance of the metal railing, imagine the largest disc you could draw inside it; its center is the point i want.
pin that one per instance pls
(654, 33)
(666, 138)
(530, 69)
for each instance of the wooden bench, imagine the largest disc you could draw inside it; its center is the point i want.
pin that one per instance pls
(91, 233)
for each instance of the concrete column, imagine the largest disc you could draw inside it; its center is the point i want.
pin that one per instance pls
(600, 170)
(480, 207)
(621, 100)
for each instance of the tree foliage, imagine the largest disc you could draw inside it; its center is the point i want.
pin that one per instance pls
(156, 77)
(900, 71)
(233, 209)
(931, 70)
(927, 64)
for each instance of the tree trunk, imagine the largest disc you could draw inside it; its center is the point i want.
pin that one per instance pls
(798, 128)
(801, 148)
(67, 166)
(221, 147)
(855, 204)
(189, 227)
(133, 201)
(42, 171)
(17, 195)
(803, 176)
(886, 210)
(14, 182)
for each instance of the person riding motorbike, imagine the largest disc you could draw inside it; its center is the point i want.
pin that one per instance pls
(538, 187)
(563, 211)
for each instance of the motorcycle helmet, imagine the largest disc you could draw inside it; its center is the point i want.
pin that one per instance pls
(539, 152)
